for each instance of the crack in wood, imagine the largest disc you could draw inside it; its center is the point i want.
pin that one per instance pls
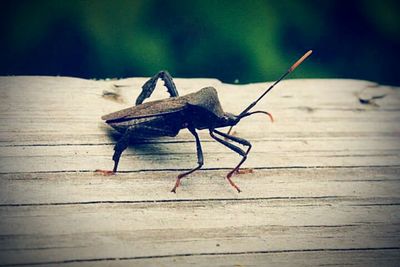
(218, 169)
(170, 201)
(205, 254)
(206, 200)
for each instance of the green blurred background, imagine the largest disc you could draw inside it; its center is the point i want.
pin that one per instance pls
(245, 41)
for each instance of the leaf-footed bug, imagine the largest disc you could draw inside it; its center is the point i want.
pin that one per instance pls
(195, 111)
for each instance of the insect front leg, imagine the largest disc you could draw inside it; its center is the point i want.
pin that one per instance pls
(200, 160)
(150, 85)
(234, 148)
(241, 141)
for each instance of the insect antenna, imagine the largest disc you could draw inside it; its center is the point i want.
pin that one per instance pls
(259, 111)
(292, 68)
(246, 112)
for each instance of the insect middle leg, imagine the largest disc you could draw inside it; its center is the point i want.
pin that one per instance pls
(234, 148)
(150, 85)
(200, 160)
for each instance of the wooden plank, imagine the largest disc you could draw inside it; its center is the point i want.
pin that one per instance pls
(20, 90)
(16, 133)
(362, 258)
(90, 159)
(324, 190)
(85, 188)
(330, 105)
(201, 215)
(144, 230)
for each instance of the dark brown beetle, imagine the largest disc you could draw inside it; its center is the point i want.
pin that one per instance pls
(200, 110)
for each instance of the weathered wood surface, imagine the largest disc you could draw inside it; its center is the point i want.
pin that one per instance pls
(325, 188)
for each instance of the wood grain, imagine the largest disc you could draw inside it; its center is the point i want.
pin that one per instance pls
(324, 190)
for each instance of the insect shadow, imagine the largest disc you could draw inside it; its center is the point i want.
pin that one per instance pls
(145, 146)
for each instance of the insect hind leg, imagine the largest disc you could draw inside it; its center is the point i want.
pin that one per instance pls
(119, 147)
(151, 128)
(150, 85)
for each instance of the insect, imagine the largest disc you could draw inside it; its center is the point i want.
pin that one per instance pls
(195, 111)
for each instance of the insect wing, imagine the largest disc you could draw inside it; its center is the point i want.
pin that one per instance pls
(147, 110)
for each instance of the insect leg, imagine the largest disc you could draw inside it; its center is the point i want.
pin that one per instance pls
(119, 147)
(148, 87)
(233, 138)
(234, 148)
(200, 159)
(140, 131)
(240, 141)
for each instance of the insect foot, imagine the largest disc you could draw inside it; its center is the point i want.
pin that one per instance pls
(177, 183)
(244, 171)
(228, 177)
(105, 172)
